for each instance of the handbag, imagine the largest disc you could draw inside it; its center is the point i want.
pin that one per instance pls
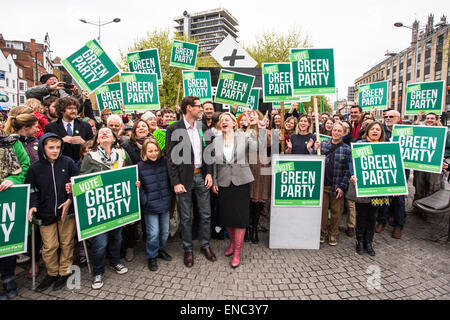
(351, 195)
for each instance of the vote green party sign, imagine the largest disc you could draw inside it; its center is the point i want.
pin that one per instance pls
(312, 71)
(234, 88)
(90, 66)
(184, 55)
(109, 96)
(379, 169)
(253, 99)
(373, 96)
(425, 96)
(277, 85)
(197, 83)
(139, 91)
(422, 147)
(105, 201)
(146, 61)
(297, 183)
(14, 203)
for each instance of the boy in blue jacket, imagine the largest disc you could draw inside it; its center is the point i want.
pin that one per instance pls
(51, 203)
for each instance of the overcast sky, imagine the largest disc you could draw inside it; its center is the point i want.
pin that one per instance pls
(359, 31)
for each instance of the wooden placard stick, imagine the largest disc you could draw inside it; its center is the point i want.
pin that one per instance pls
(316, 120)
(283, 143)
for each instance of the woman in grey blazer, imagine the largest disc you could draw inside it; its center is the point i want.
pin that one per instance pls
(231, 181)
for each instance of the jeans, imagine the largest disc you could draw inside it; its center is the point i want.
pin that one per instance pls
(99, 246)
(7, 267)
(157, 229)
(396, 209)
(184, 205)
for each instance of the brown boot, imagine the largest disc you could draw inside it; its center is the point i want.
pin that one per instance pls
(379, 228)
(350, 232)
(397, 233)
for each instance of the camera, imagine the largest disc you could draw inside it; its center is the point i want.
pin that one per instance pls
(68, 86)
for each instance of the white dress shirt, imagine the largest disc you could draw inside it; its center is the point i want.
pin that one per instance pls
(71, 126)
(196, 143)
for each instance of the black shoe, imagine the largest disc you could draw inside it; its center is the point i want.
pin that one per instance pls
(60, 282)
(248, 234)
(152, 264)
(46, 283)
(369, 249)
(359, 247)
(255, 238)
(164, 255)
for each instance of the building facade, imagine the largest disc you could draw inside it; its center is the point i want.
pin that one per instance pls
(8, 80)
(34, 59)
(400, 68)
(208, 27)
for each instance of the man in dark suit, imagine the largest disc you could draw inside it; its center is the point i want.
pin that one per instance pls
(73, 131)
(190, 176)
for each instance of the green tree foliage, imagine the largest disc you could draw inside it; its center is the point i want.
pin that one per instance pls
(274, 47)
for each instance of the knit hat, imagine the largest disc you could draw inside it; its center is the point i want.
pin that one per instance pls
(47, 76)
(147, 115)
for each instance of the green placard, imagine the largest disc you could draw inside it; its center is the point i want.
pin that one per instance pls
(90, 66)
(160, 137)
(379, 169)
(105, 201)
(425, 96)
(312, 71)
(146, 61)
(184, 55)
(422, 147)
(109, 96)
(298, 183)
(139, 91)
(324, 137)
(277, 84)
(197, 83)
(14, 203)
(234, 88)
(373, 96)
(253, 99)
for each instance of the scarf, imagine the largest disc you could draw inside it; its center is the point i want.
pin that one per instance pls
(140, 142)
(109, 161)
(9, 164)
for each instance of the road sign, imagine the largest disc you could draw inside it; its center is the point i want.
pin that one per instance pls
(229, 53)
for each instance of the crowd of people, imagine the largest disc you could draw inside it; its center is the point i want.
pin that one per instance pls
(56, 136)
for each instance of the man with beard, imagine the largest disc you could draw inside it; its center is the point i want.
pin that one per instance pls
(73, 131)
(50, 111)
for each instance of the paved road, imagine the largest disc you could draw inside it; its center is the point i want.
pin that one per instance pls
(415, 267)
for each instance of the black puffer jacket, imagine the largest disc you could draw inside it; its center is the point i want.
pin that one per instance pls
(48, 181)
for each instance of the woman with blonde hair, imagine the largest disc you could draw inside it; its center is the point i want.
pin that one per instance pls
(38, 111)
(303, 140)
(231, 182)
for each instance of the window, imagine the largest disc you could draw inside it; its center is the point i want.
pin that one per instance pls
(14, 84)
(409, 55)
(427, 77)
(21, 99)
(7, 82)
(10, 69)
(438, 75)
(20, 73)
(402, 58)
(21, 86)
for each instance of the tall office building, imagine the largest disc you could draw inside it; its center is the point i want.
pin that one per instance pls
(208, 27)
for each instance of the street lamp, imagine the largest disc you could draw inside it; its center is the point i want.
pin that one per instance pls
(100, 24)
(401, 25)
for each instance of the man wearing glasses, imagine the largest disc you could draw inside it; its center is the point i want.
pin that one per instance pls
(190, 176)
(397, 206)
